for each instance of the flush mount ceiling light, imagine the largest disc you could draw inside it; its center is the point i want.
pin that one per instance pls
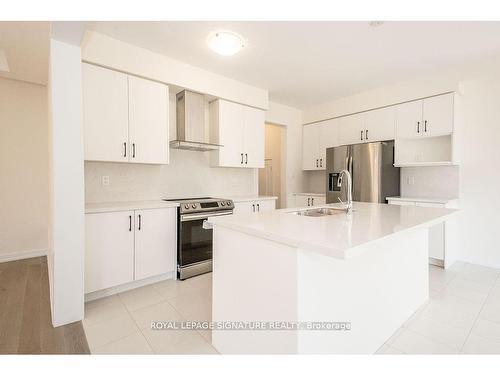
(225, 43)
(4, 66)
(376, 23)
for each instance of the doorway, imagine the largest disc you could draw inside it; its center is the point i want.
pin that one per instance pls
(272, 175)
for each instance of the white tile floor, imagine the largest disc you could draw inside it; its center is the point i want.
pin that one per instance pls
(461, 316)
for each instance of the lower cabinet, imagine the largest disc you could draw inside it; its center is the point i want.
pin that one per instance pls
(254, 206)
(124, 246)
(302, 200)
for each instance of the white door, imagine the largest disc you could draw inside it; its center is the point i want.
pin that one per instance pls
(105, 114)
(155, 242)
(231, 129)
(409, 119)
(380, 124)
(148, 121)
(109, 250)
(317, 200)
(302, 200)
(438, 115)
(265, 205)
(254, 137)
(310, 147)
(352, 129)
(244, 207)
(328, 137)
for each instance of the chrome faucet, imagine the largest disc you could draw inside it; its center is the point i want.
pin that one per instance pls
(348, 205)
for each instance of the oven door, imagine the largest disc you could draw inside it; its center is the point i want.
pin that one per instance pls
(195, 242)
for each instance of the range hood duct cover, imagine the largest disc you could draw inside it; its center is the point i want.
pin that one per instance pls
(190, 111)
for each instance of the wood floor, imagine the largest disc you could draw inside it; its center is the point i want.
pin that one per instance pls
(25, 321)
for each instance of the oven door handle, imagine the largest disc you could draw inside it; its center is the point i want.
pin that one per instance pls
(192, 217)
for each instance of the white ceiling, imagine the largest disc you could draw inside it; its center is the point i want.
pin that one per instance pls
(26, 47)
(307, 63)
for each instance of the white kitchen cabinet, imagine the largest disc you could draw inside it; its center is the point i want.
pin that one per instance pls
(380, 124)
(148, 121)
(316, 138)
(309, 200)
(125, 246)
(352, 129)
(109, 250)
(246, 207)
(240, 131)
(429, 117)
(105, 114)
(155, 242)
(125, 118)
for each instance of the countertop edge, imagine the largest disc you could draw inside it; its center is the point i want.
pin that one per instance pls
(93, 208)
(249, 198)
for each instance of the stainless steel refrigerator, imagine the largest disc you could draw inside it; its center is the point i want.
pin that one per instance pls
(374, 176)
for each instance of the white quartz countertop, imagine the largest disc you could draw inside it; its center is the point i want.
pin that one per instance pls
(248, 198)
(92, 208)
(311, 194)
(422, 199)
(340, 236)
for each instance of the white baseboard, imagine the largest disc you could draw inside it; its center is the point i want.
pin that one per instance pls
(129, 286)
(26, 254)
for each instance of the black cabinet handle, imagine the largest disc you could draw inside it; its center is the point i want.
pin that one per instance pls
(140, 222)
(317, 163)
(425, 126)
(312, 201)
(361, 135)
(133, 150)
(366, 134)
(418, 126)
(308, 201)
(246, 158)
(130, 223)
(253, 207)
(124, 149)
(241, 158)
(321, 162)
(258, 207)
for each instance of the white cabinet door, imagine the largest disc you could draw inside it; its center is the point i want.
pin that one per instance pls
(438, 115)
(227, 120)
(328, 137)
(380, 124)
(148, 121)
(265, 205)
(317, 200)
(244, 207)
(254, 137)
(109, 250)
(105, 114)
(352, 129)
(436, 234)
(409, 119)
(302, 200)
(310, 147)
(155, 242)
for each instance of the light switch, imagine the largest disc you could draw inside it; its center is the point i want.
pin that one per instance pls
(105, 180)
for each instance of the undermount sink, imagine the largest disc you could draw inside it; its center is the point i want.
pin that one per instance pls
(316, 212)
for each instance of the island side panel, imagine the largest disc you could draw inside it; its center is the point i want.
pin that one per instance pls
(253, 280)
(376, 291)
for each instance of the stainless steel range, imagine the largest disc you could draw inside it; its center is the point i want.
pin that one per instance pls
(194, 243)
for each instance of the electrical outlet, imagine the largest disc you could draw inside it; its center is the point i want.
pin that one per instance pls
(412, 180)
(105, 180)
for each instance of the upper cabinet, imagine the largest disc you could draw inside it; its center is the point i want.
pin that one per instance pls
(239, 130)
(316, 138)
(428, 117)
(125, 118)
(371, 126)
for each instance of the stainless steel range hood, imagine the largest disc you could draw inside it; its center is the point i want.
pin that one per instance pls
(190, 110)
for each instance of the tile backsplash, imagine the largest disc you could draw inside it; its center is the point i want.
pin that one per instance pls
(430, 182)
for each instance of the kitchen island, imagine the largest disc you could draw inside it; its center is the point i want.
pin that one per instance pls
(367, 271)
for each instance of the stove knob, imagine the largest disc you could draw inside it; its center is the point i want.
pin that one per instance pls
(228, 203)
(222, 203)
(186, 206)
(194, 206)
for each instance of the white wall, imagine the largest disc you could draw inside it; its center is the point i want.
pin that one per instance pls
(187, 175)
(478, 182)
(430, 182)
(66, 247)
(24, 182)
(103, 50)
(291, 118)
